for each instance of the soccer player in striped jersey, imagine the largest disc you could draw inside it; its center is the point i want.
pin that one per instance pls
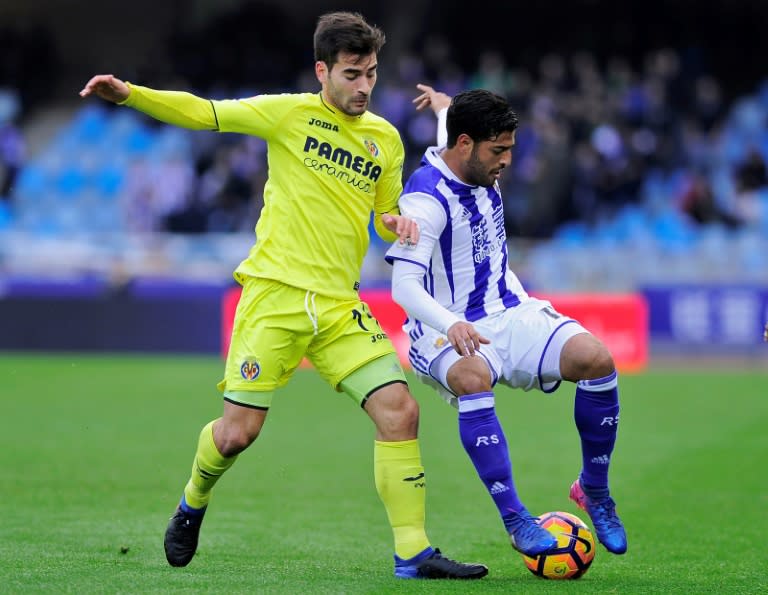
(331, 164)
(472, 325)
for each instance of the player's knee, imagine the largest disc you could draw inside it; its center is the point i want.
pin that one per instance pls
(469, 379)
(471, 384)
(598, 363)
(585, 358)
(408, 412)
(395, 413)
(604, 364)
(233, 439)
(403, 410)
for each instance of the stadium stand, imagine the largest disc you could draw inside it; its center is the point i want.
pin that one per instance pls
(607, 170)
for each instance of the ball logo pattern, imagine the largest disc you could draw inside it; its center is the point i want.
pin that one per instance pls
(574, 552)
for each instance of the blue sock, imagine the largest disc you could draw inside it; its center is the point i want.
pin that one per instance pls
(596, 411)
(486, 445)
(189, 510)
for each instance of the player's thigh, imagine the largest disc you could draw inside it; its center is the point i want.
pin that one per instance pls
(432, 358)
(270, 335)
(530, 339)
(349, 337)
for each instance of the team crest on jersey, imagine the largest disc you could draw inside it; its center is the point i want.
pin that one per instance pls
(250, 369)
(372, 148)
(440, 342)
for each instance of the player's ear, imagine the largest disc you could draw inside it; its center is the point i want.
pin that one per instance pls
(321, 71)
(465, 142)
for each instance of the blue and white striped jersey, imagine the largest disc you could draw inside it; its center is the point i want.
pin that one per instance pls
(462, 245)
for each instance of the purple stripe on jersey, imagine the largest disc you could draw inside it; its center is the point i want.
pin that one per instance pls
(476, 298)
(446, 243)
(509, 299)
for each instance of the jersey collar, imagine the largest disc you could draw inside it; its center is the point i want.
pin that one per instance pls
(433, 156)
(338, 113)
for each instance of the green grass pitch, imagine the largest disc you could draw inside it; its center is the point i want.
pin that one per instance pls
(95, 451)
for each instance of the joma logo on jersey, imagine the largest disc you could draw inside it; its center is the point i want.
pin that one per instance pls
(323, 124)
(343, 158)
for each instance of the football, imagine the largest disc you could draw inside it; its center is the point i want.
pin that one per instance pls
(575, 548)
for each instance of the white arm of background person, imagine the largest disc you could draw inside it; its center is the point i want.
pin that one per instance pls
(439, 103)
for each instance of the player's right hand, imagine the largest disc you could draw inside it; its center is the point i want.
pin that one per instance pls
(107, 87)
(437, 100)
(465, 338)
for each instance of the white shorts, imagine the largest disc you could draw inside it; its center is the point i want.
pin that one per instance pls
(526, 342)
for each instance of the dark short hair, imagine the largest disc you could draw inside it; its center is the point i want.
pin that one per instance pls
(345, 32)
(479, 114)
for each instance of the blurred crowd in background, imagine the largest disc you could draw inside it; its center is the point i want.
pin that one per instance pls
(650, 152)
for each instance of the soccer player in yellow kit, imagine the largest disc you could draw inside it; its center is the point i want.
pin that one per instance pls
(331, 163)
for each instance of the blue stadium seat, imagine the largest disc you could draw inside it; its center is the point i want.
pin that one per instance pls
(109, 180)
(673, 231)
(573, 233)
(70, 181)
(90, 123)
(6, 215)
(137, 141)
(32, 182)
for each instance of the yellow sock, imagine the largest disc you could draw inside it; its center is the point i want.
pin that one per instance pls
(402, 488)
(207, 467)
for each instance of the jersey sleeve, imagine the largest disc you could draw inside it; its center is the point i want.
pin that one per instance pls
(177, 108)
(258, 116)
(408, 291)
(431, 219)
(389, 188)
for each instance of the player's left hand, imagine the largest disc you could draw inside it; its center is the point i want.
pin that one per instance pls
(406, 228)
(465, 338)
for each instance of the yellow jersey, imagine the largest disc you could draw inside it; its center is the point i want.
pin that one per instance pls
(327, 172)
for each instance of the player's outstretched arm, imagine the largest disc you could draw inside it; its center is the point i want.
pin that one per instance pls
(172, 107)
(108, 87)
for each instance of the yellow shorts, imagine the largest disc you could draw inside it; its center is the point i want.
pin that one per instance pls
(277, 325)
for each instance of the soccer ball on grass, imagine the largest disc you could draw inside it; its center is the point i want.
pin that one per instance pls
(575, 548)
